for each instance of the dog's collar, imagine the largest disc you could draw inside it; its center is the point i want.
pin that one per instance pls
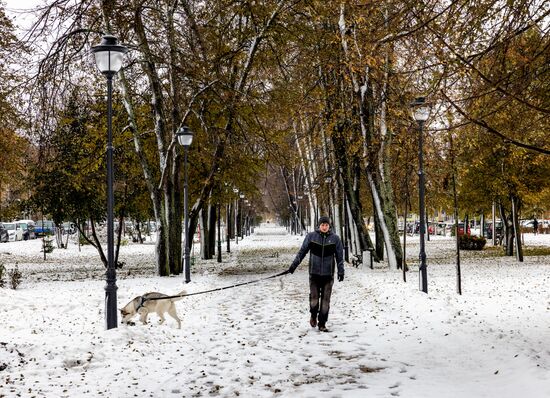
(142, 300)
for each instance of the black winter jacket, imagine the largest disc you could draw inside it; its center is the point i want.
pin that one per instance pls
(325, 250)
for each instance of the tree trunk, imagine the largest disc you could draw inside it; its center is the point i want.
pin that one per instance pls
(375, 169)
(231, 219)
(205, 235)
(350, 179)
(516, 204)
(164, 193)
(212, 219)
(378, 236)
(228, 228)
(508, 230)
(385, 188)
(455, 205)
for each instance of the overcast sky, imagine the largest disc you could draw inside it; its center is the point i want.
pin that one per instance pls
(17, 11)
(21, 4)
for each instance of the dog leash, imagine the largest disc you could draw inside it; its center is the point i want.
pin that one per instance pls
(212, 290)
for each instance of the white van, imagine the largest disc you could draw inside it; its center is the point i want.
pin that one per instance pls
(14, 231)
(27, 226)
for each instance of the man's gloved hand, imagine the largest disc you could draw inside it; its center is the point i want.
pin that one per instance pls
(340, 277)
(291, 269)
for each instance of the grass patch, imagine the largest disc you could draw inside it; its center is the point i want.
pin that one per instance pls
(528, 251)
(487, 252)
(498, 251)
(368, 369)
(258, 261)
(536, 251)
(268, 251)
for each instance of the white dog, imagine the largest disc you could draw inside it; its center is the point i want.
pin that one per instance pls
(143, 305)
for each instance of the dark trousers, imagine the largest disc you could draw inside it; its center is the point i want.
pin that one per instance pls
(320, 289)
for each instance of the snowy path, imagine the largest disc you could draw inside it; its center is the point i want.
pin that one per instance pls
(261, 343)
(387, 338)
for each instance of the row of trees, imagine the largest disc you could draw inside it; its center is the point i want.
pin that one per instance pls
(13, 148)
(282, 95)
(487, 84)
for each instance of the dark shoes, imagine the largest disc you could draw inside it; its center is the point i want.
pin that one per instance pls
(313, 321)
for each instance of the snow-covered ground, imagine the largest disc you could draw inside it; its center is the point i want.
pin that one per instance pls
(387, 338)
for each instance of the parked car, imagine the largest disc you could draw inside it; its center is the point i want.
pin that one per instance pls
(28, 229)
(413, 228)
(4, 236)
(68, 228)
(461, 229)
(15, 232)
(44, 227)
(498, 230)
(440, 228)
(451, 227)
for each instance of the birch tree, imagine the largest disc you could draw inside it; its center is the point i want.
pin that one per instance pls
(190, 63)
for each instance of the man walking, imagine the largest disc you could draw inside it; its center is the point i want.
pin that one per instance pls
(325, 253)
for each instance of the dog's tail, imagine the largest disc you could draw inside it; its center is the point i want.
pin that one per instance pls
(180, 295)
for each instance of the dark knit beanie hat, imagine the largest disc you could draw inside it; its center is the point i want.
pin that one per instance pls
(323, 220)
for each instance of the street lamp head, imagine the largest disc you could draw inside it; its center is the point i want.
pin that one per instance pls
(185, 136)
(420, 109)
(108, 55)
(241, 195)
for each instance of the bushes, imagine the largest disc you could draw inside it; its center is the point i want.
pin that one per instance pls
(472, 242)
(47, 245)
(14, 276)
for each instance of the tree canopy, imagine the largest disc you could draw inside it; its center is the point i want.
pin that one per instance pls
(304, 106)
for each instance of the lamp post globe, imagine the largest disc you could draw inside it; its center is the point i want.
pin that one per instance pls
(109, 56)
(421, 112)
(420, 109)
(185, 138)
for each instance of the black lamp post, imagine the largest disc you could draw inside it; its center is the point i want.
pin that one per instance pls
(245, 222)
(249, 219)
(300, 197)
(228, 224)
(421, 111)
(236, 233)
(185, 138)
(241, 195)
(108, 57)
(219, 234)
(228, 221)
